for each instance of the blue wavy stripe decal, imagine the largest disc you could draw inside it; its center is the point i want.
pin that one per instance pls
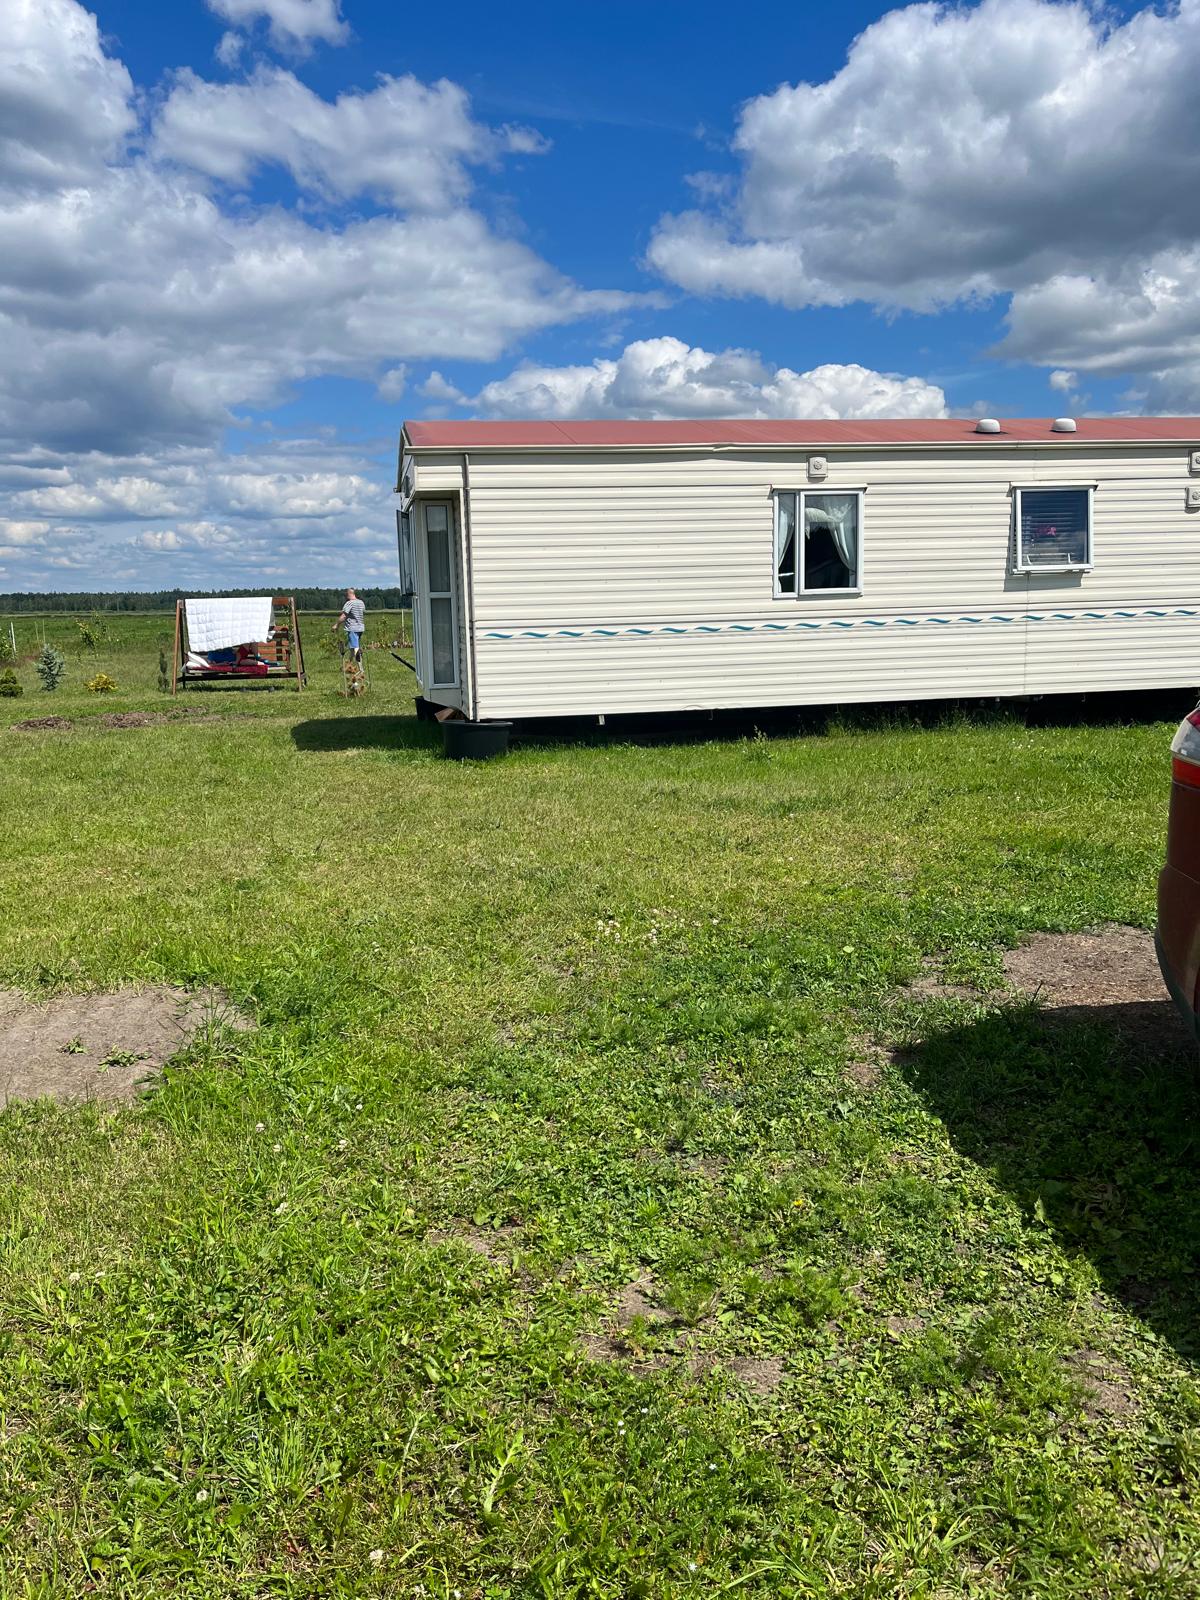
(641, 631)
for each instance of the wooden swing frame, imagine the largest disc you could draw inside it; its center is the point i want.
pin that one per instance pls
(289, 653)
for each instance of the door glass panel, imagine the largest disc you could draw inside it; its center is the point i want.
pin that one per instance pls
(441, 626)
(438, 543)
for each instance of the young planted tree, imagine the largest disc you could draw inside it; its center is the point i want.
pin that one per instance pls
(50, 666)
(10, 688)
(95, 631)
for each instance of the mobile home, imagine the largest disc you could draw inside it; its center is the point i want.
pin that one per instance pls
(596, 568)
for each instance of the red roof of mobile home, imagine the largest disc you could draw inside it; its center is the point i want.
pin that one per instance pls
(915, 431)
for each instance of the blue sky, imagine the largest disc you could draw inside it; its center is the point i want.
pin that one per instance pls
(247, 237)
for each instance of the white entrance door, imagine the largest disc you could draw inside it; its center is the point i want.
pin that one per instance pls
(437, 655)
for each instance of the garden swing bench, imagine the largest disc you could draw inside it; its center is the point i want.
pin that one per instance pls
(234, 662)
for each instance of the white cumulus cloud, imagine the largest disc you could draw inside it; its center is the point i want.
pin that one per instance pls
(293, 24)
(65, 106)
(405, 142)
(144, 311)
(15, 533)
(1143, 321)
(392, 384)
(140, 308)
(299, 509)
(961, 151)
(665, 377)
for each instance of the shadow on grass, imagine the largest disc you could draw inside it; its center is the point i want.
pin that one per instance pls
(1123, 709)
(690, 727)
(366, 733)
(1090, 1117)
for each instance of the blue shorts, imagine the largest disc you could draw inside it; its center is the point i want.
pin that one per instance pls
(353, 639)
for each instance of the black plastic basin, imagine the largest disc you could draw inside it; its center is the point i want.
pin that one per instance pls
(475, 741)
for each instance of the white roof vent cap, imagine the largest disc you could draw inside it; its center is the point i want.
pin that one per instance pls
(1063, 425)
(987, 425)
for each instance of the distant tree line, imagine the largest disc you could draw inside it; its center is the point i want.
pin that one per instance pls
(164, 599)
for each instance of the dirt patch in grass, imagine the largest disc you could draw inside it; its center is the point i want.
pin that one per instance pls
(903, 1327)
(491, 1246)
(1107, 1389)
(155, 719)
(762, 1374)
(865, 1068)
(864, 1073)
(710, 1167)
(475, 1242)
(100, 1046)
(1112, 966)
(115, 719)
(133, 719)
(601, 1347)
(1108, 975)
(637, 1303)
(639, 1299)
(44, 725)
(931, 984)
(1108, 978)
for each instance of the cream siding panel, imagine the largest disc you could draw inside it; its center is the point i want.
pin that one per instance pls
(435, 476)
(1140, 653)
(697, 672)
(571, 541)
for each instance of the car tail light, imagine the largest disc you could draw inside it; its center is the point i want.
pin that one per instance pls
(1185, 752)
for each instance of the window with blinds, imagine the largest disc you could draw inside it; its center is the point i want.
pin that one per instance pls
(1053, 530)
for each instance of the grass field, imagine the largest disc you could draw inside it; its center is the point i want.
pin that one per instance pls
(334, 1310)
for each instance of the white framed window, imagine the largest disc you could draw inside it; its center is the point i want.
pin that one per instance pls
(438, 555)
(1052, 528)
(818, 541)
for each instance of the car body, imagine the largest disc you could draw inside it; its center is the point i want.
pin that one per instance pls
(1177, 937)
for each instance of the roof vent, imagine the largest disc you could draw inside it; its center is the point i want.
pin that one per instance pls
(987, 425)
(1063, 425)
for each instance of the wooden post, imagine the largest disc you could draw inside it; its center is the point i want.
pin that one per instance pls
(175, 652)
(299, 647)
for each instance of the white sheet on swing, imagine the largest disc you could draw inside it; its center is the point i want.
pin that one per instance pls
(221, 624)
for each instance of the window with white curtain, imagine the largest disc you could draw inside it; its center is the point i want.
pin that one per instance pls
(818, 541)
(1053, 529)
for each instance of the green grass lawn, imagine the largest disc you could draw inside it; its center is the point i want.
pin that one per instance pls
(330, 1312)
